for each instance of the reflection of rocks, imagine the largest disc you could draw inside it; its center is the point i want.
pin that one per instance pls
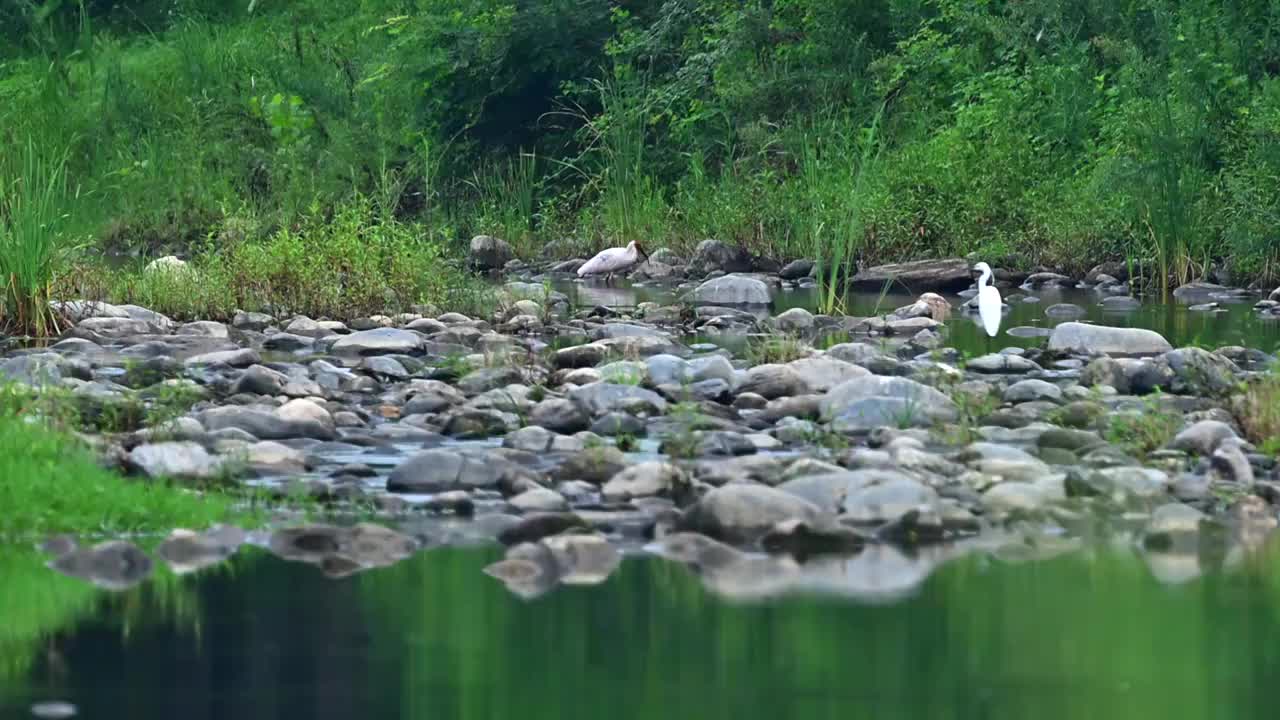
(186, 551)
(342, 551)
(531, 569)
(114, 565)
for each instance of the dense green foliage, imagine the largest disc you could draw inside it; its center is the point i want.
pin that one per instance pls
(51, 483)
(1055, 132)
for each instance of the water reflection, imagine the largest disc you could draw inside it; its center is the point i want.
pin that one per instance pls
(1088, 633)
(1234, 323)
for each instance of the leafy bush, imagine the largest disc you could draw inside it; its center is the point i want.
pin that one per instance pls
(349, 265)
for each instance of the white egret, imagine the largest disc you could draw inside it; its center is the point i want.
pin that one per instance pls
(612, 260)
(989, 303)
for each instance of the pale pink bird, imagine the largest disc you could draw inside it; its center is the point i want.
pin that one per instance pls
(613, 260)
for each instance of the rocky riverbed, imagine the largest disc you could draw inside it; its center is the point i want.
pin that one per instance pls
(571, 433)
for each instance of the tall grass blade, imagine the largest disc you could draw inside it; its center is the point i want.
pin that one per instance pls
(33, 200)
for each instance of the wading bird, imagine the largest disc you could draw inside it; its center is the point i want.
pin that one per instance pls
(614, 260)
(989, 303)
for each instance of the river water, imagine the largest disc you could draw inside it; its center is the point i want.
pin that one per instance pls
(1233, 322)
(1092, 633)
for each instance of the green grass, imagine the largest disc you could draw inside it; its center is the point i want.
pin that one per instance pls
(845, 133)
(1142, 432)
(343, 265)
(49, 482)
(775, 350)
(33, 202)
(1258, 411)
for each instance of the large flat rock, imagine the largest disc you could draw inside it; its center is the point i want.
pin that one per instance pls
(1087, 339)
(917, 276)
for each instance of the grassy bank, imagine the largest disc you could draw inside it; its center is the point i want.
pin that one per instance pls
(1025, 132)
(50, 482)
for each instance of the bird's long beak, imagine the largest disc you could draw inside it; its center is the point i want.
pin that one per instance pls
(643, 254)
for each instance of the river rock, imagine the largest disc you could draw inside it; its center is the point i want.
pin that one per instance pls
(260, 380)
(35, 369)
(1064, 310)
(560, 415)
(1116, 341)
(1030, 390)
(795, 320)
(773, 381)
(1200, 372)
(581, 356)
(714, 255)
(379, 341)
(262, 424)
(595, 465)
(943, 276)
(431, 396)
(600, 398)
(489, 253)
(243, 357)
(828, 490)
(1120, 303)
(539, 499)
(1203, 437)
(441, 470)
(732, 290)
(741, 513)
(820, 373)
(888, 501)
(643, 480)
(184, 460)
(1042, 280)
(1230, 463)
(796, 269)
(871, 401)
(1001, 363)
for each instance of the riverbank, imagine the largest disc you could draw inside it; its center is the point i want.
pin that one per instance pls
(217, 132)
(701, 422)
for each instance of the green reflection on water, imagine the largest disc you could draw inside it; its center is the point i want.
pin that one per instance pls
(1090, 634)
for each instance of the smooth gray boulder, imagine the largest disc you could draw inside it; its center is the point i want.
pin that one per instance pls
(1086, 339)
(715, 255)
(379, 341)
(1203, 437)
(873, 400)
(185, 460)
(773, 381)
(489, 253)
(740, 513)
(599, 398)
(262, 424)
(732, 290)
(820, 373)
(441, 470)
(560, 415)
(643, 480)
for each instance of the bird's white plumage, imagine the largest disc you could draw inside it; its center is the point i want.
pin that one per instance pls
(990, 305)
(611, 260)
